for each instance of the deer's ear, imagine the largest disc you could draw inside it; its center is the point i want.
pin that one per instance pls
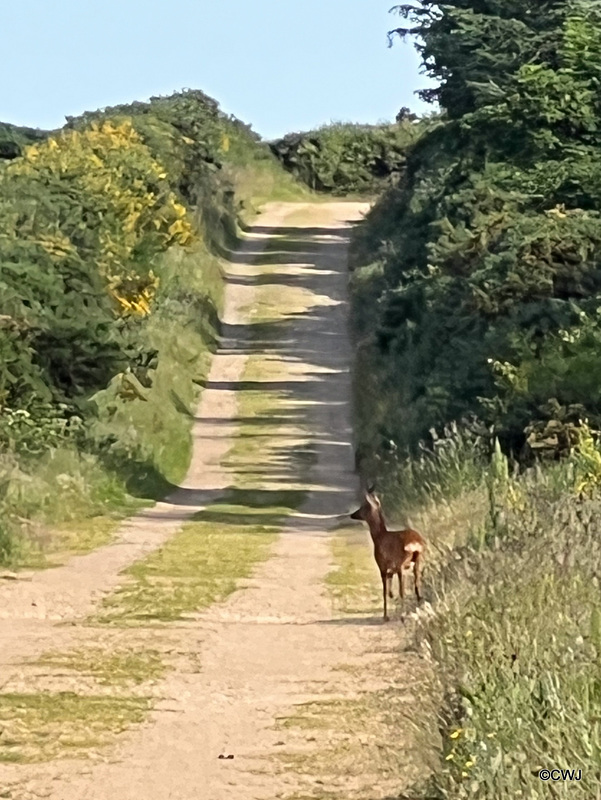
(372, 500)
(371, 489)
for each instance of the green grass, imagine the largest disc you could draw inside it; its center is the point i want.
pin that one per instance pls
(200, 565)
(184, 330)
(264, 182)
(516, 635)
(113, 668)
(47, 725)
(518, 641)
(51, 546)
(354, 583)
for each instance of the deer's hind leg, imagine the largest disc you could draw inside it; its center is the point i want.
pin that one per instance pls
(389, 584)
(407, 558)
(384, 594)
(417, 575)
(401, 584)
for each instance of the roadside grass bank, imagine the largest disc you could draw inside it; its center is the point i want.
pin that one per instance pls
(513, 630)
(95, 431)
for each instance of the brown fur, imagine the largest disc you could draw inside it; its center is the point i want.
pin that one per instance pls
(394, 551)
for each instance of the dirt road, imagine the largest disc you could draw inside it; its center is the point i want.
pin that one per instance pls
(305, 696)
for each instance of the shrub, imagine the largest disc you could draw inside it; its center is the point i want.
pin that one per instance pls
(110, 290)
(489, 249)
(344, 159)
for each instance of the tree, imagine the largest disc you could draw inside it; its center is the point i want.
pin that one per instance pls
(492, 251)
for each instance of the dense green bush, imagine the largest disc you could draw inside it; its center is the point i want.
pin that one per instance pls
(186, 132)
(110, 288)
(346, 158)
(487, 254)
(83, 216)
(14, 139)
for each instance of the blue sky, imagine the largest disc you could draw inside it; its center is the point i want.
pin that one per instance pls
(281, 66)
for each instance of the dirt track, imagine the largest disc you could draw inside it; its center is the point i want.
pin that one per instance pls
(276, 642)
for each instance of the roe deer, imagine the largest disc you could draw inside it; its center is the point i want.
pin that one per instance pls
(394, 551)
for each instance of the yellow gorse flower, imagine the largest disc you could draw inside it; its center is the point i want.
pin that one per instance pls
(134, 295)
(57, 245)
(109, 164)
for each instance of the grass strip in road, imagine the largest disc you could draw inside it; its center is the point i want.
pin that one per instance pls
(353, 583)
(203, 563)
(118, 667)
(45, 725)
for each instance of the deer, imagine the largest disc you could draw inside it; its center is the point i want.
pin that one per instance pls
(394, 551)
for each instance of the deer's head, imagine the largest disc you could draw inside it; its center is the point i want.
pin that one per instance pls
(370, 508)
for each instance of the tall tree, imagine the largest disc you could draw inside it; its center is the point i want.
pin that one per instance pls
(493, 264)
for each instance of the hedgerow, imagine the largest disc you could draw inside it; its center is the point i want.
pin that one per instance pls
(110, 290)
(344, 159)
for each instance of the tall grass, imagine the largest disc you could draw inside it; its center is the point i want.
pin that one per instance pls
(517, 638)
(515, 632)
(513, 575)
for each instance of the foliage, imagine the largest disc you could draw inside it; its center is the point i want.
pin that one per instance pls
(14, 139)
(347, 158)
(187, 133)
(515, 636)
(476, 288)
(83, 215)
(110, 288)
(488, 251)
(34, 433)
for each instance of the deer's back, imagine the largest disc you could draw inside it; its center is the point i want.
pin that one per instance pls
(392, 547)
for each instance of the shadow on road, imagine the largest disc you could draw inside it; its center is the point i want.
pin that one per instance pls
(314, 343)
